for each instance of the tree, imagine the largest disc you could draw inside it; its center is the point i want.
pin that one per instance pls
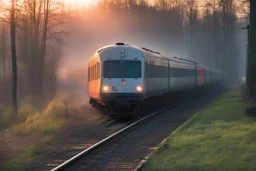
(245, 7)
(39, 33)
(252, 56)
(14, 58)
(3, 55)
(192, 15)
(213, 6)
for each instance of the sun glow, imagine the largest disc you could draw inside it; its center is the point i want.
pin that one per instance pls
(80, 2)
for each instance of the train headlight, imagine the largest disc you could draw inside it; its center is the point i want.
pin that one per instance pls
(105, 88)
(139, 89)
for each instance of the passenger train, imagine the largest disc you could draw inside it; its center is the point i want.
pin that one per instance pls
(121, 76)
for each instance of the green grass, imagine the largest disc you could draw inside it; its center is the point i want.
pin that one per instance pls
(47, 123)
(26, 156)
(220, 137)
(25, 109)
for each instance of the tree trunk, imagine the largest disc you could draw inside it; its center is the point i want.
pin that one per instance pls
(14, 60)
(43, 46)
(4, 59)
(252, 57)
(215, 35)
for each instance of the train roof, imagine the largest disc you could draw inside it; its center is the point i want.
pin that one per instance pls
(154, 53)
(174, 58)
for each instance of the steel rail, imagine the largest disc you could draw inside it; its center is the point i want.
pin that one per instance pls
(86, 151)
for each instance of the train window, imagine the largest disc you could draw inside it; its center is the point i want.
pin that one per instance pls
(122, 69)
(147, 70)
(96, 75)
(98, 70)
(93, 72)
(181, 72)
(132, 69)
(112, 69)
(151, 71)
(154, 71)
(88, 74)
(93, 76)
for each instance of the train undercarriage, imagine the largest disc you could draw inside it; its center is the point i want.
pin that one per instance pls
(125, 109)
(119, 108)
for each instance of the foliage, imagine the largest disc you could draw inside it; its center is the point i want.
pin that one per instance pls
(25, 109)
(177, 27)
(219, 138)
(30, 119)
(21, 160)
(38, 26)
(48, 121)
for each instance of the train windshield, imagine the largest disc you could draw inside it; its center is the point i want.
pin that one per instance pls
(122, 69)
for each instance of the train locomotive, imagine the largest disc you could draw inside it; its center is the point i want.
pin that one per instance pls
(121, 77)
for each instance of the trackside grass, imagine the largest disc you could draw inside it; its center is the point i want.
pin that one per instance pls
(47, 123)
(220, 137)
(26, 156)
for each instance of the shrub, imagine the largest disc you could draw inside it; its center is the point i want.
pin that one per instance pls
(25, 109)
(49, 120)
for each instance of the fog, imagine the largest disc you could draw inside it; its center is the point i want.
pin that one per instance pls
(178, 29)
(182, 28)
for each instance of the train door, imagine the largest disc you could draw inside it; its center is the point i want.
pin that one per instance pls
(196, 76)
(210, 75)
(205, 71)
(169, 75)
(148, 67)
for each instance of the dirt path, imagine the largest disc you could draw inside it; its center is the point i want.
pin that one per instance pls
(12, 143)
(85, 128)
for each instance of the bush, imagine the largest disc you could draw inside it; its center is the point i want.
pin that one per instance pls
(48, 121)
(5, 116)
(25, 109)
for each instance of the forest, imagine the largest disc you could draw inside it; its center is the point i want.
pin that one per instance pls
(51, 36)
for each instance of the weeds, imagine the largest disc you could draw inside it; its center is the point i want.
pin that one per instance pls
(6, 119)
(219, 138)
(48, 121)
(26, 156)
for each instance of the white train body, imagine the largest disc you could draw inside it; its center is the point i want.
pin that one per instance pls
(123, 76)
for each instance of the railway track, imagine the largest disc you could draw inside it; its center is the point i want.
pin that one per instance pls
(126, 148)
(105, 140)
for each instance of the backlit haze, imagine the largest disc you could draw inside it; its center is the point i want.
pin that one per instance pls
(86, 3)
(97, 23)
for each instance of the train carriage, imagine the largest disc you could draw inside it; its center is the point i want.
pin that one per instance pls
(182, 74)
(123, 76)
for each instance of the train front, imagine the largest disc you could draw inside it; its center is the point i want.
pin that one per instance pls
(122, 81)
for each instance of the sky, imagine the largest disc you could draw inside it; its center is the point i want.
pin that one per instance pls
(89, 2)
(80, 2)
